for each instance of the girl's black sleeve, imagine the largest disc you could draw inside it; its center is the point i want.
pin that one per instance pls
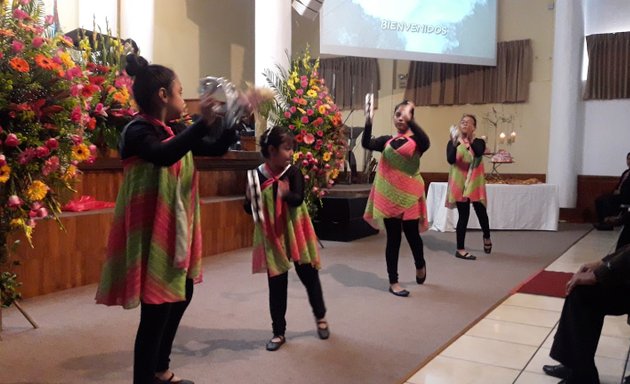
(209, 146)
(147, 142)
(479, 147)
(451, 152)
(367, 142)
(295, 196)
(419, 136)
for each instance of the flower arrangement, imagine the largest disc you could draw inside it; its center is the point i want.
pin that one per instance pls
(108, 90)
(303, 104)
(42, 122)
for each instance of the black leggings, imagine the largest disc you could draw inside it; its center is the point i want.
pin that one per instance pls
(394, 228)
(463, 209)
(154, 340)
(309, 276)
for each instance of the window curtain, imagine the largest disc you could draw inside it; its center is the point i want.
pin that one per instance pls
(608, 66)
(455, 84)
(349, 78)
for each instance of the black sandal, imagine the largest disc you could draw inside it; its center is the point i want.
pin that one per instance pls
(275, 345)
(465, 256)
(487, 247)
(323, 333)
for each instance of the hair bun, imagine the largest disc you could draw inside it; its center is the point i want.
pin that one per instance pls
(135, 64)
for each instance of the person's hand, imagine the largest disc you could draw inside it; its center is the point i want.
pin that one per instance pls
(581, 278)
(208, 106)
(454, 134)
(406, 111)
(589, 267)
(283, 189)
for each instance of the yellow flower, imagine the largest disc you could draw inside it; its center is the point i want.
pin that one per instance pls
(5, 173)
(315, 88)
(302, 111)
(296, 156)
(122, 96)
(334, 173)
(80, 152)
(66, 59)
(17, 223)
(311, 93)
(322, 109)
(326, 156)
(291, 86)
(36, 191)
(71, 172)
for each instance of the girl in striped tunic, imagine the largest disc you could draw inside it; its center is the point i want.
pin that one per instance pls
(397, 199)
(283, 231)
(467, 183)
(154, 249)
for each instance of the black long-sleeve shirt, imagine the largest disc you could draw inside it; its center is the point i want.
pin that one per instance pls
(615, 268)
(378, 144)
(294, 197)
(143, 139)
(478, 146)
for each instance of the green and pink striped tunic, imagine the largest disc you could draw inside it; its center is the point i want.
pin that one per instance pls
(398, 188)
(155, 241)
(466, 178)
(285, 235)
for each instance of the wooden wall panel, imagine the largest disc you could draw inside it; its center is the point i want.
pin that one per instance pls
(74, 257)
(588, 189)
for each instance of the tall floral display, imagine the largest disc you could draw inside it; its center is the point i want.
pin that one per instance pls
(43, 117)
(304, 104)
(108, 90)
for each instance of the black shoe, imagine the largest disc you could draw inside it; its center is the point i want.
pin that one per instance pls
(487, 245)
(559, 371)
(275, 345)
(465, 256)
(626, 380)
(401, 293)
(323, 333)
(170, 381)
(420, 280)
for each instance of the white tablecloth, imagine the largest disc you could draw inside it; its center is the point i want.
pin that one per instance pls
(533, 207)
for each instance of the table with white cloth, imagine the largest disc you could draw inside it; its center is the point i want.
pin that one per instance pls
(510, 206)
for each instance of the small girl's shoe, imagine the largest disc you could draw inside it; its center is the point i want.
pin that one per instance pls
(275, 345)
(170, 381)
(322, 329)
(487, 245)
(420, 280)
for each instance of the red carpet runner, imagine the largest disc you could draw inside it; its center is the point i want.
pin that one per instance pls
(547, 283)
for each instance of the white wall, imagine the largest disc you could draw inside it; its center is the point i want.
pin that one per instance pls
(606, 127)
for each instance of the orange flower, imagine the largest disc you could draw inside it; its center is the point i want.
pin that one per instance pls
(44, 62)
(19, 64)
(7, 32)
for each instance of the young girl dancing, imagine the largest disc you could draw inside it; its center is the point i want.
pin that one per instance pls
(397, 197)
(467, 182)
(154, 247)
(283, 232)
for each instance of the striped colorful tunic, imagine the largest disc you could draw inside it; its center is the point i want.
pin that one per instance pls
(466, 178)
(398, 188)
(285, 234)
(155, 241)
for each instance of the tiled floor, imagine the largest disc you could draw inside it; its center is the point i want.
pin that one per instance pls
(512, 343)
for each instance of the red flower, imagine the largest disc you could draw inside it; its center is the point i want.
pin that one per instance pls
(11, 140)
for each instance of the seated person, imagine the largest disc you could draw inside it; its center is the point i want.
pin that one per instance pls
(608, 204)
(597, 289)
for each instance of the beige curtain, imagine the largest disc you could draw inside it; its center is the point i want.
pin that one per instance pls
(608, 66)
(349, 78)
(454, 84)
